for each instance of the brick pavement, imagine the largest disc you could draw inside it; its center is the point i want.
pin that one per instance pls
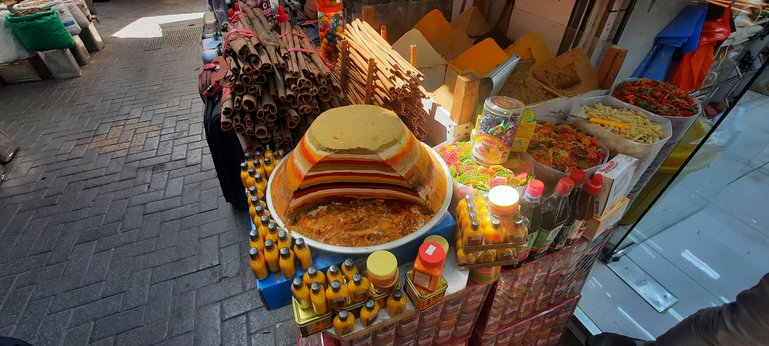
(113, 230)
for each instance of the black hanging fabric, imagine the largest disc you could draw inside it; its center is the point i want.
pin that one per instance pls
(226, 153)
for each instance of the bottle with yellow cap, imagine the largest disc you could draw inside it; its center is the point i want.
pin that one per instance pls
(284, 239)
(255, 240)
(349, 269)
(344, 322)
(396, 303)
(382, 271)
(286, 263)
(318, 298)
(268, 166)
(333, 273)
(503, 205)
(244, 174)
(314, 275)
(264, 222)
(302, 252)
(358, 286)
(369, 313)
(439, 240)
(271, 256)
(337, 295)
(272, 232)
(258, 265)
(301, 293)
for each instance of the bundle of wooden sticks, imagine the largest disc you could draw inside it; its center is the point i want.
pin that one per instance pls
(371, 72)
(277, 83)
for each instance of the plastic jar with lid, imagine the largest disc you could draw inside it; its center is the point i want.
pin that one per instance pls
(496, 128)
(382, 271)
(428, 267)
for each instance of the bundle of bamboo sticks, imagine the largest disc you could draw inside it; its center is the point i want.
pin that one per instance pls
(277, 83)
(371, 72)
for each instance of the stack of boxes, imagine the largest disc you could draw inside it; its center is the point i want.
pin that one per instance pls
(535, 300)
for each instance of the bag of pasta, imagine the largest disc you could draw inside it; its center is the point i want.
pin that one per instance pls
(645, 135)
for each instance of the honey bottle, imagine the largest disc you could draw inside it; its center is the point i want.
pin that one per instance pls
(287, 263)
(255, 241)
(369, 313)
(396, 303)
(473, 235)
(337, 295)
(268, 152)
(318, 298)
(250, 181)
(271, 256)
(301, 293)
(277, 156)
(344, 322)
(302, 252)
(280, 150)
(268, 166)
(258, 264)
(349, 269)
(493, 233)
(461, 255)
(258, 156)
(358, 286)
(259, 168)
(333, 273)
(284, 240)
(251, 209)
(244, 174)
(261, 184)
(264, 222)
(314, 275)
(252, 192)
(260, 211)
(272, 232)
(249, 160)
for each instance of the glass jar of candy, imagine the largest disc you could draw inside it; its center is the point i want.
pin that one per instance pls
(330, 27)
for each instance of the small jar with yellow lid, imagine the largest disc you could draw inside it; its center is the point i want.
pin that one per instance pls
(439, 240)
(382, 271)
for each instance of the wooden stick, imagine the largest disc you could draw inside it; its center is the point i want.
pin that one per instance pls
(413, 55)
(370, 79)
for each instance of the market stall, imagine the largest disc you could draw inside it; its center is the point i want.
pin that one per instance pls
(486, 237)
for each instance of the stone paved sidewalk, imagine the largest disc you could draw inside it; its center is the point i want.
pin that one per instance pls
(113, 230)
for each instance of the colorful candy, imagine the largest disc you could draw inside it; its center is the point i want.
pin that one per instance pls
(465, 170)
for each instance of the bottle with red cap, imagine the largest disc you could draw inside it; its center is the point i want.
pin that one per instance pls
(428, 267)
(555, 211)
(585, 207)
(579, 177)
(531, 212)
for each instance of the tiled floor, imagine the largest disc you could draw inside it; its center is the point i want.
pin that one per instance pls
(706, 240)
(113, 230)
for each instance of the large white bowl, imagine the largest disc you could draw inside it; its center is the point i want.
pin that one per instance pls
(316, 245)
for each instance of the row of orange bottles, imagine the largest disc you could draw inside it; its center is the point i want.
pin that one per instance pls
(277, 256)
(344, 322)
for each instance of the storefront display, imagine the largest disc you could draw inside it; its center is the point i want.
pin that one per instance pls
(354, 224)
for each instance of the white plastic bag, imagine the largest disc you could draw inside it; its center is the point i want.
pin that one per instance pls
(10, 48)
(645, 153)
(61, 9)
(77, 13)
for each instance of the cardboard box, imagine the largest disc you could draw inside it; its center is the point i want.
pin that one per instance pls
(598, 225)
(617, 176)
